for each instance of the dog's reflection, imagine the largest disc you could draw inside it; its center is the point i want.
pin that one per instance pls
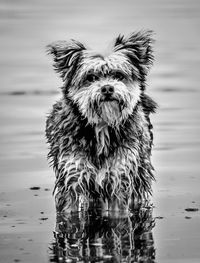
(93, 237)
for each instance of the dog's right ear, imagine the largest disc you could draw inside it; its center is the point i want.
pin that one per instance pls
(138, 48)
(66, 57)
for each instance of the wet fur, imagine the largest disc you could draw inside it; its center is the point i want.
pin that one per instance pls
(100, 150)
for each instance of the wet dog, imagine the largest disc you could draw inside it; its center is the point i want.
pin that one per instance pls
(99, 132)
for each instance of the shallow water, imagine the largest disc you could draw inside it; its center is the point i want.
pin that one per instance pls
(29, 229)
(93, 237)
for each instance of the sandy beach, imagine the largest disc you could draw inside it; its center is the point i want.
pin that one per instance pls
(29, 229)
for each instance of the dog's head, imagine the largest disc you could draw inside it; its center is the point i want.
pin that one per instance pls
(106, 89)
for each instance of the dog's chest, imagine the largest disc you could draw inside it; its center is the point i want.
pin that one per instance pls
(103, 140)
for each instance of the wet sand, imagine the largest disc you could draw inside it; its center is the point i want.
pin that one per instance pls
(27, 212)
(28, 84)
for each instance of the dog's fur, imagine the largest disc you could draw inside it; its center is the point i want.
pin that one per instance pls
(99, 132)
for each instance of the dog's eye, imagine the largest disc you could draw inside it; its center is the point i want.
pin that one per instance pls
(119, 76)
(91, 78)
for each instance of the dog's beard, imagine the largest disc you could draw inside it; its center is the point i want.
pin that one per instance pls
(109, 112)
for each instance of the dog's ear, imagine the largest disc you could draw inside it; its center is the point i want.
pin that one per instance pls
(66, 56)
(138, 48)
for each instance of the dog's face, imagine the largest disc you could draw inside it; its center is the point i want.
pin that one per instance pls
(106, 89)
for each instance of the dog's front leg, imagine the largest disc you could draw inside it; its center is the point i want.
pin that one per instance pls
(73, 181)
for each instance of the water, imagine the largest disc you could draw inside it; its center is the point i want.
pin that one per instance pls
(29, 229)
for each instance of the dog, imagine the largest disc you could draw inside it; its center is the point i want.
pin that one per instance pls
(99, 132)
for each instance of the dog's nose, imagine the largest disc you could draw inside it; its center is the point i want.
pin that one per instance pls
(107, 90)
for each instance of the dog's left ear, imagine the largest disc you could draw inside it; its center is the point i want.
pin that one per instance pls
(138, 48)
(66, 57)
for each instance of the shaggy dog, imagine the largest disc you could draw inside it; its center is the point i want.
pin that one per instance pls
(99, 132)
